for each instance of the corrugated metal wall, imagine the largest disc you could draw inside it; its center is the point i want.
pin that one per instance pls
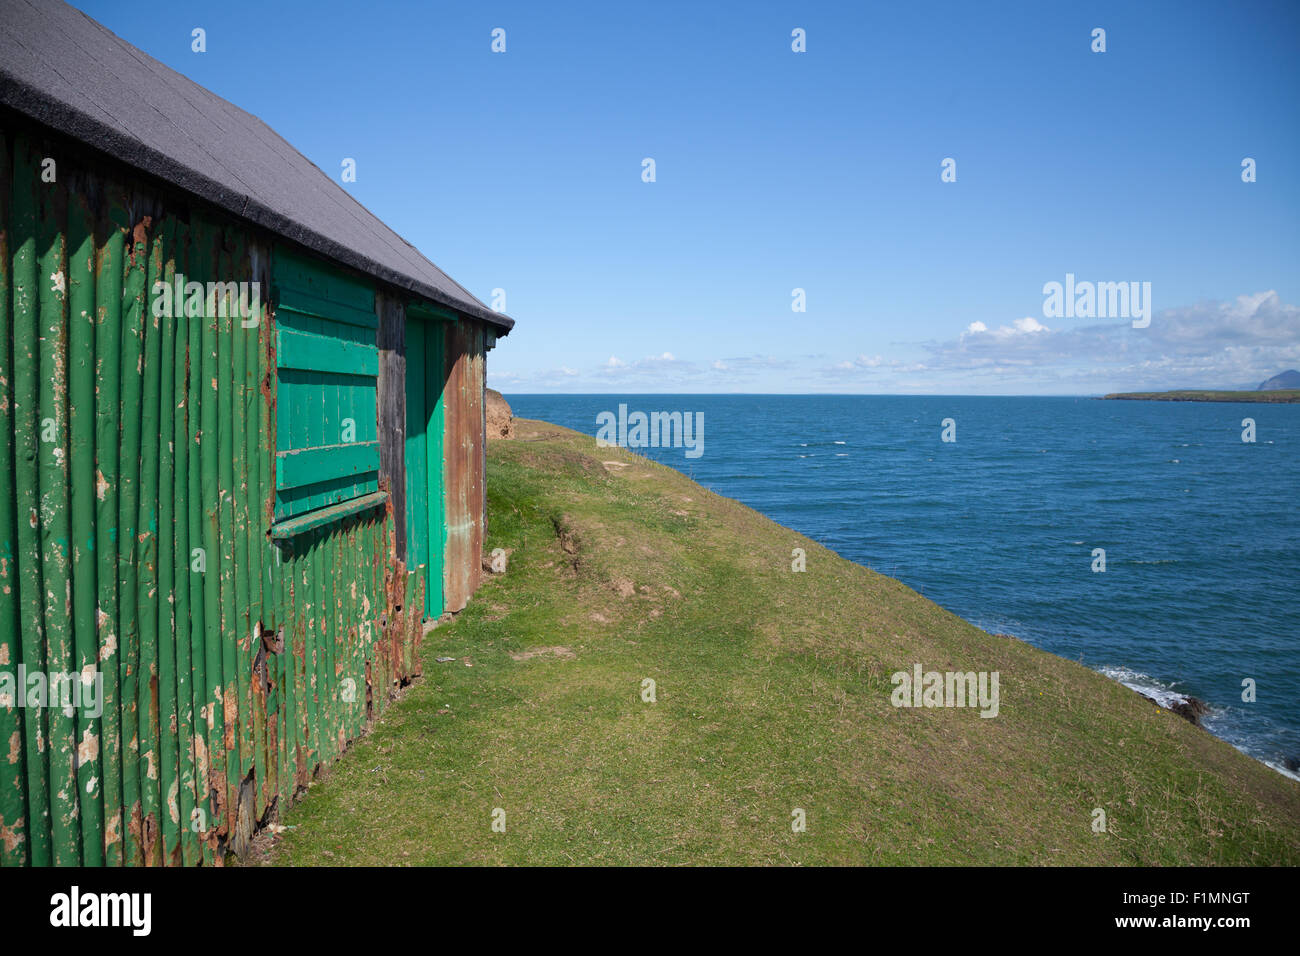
(136, 495)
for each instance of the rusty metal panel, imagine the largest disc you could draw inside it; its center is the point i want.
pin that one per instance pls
(465, 458)
(213, 666)
(391, 311)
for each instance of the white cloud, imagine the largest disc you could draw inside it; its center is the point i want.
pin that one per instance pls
(1209, 344)
(863, 362)
(1206, 345)
(1026, 326)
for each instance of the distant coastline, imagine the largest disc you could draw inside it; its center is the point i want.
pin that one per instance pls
(1275, 396)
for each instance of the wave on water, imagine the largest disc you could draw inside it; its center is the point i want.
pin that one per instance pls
(1162, 693)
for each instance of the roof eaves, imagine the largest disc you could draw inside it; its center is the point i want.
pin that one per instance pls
(50, 111)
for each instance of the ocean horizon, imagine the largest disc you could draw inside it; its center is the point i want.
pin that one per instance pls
(1004, 522)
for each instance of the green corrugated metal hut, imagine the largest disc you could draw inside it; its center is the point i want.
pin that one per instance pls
(241, 456)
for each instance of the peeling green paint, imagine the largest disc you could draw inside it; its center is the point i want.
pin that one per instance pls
(138, 496)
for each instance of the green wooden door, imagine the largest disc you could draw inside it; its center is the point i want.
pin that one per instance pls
(426, 534)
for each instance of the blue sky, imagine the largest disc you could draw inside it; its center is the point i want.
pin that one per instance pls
(820, 170)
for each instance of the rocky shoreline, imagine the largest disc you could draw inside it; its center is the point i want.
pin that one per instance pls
(1190, 709)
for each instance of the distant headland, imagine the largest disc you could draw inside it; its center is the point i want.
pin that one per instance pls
(1278, 397)
(1280, 389)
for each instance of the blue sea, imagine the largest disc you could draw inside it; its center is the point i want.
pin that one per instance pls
(1200, 530)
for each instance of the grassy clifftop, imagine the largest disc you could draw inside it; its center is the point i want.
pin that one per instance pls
(772, 694)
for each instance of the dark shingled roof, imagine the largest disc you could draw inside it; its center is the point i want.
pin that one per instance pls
(63, 69)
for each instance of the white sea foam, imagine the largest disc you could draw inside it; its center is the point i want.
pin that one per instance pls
(1282, 770)
(1162, 693)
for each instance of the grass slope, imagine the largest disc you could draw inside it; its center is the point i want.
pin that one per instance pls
(773, 693)
(1278, 396)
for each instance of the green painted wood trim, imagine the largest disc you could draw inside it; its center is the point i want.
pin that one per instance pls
(434, 382)
(293, 300)
(307, 466)
(323, 516)
(417, 515)
(303, 284)
(321, 353)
